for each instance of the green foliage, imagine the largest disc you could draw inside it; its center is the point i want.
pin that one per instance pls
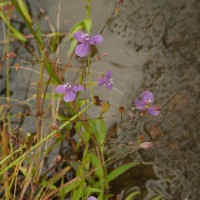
(23, 8)
(133, 195)
(50, 70)
(101, 136)
(66, 188)
(55, 178)
(119, 171)
(55, 41)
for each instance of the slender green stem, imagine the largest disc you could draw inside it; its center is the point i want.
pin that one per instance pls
(6, 50)
(89, 78)
(11, 154)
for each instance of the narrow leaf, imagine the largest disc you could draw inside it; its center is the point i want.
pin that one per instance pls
(119, 171)
(132, 195)
(23, 7)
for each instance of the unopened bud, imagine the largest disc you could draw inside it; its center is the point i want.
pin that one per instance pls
(105, 107)
(58, 158)
(17, 67)
(146, 145)
(141, 138)
(46, 53)
(104, 54)
(121, 109)
(11, 55)
(117, 10)
(143, 112)
(157, 108)
(54, 126)
(97, 101)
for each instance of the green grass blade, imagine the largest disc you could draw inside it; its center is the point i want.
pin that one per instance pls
(101, 126)
(133, 195)
(119, 171)
(22, 5)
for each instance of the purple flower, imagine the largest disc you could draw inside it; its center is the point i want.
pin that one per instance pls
(106, 80)
(82, 49)
(69, 90)
(92, 198)
(146, 104)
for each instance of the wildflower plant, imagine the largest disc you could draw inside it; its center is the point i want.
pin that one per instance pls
(80, 169)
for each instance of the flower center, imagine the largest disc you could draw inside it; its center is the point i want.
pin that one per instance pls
(147, 103)
(110, 81)
(85, 36)
(68, 86)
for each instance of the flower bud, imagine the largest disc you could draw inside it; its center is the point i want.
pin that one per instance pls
(157, 108)
(11, 55)
(146, 145)
(121, 109)
(105, 107)
(54, 126)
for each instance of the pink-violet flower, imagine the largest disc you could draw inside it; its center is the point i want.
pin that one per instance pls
(146, 104)
(82, 49)
(92, 198)
(106, 80)
(69, 90)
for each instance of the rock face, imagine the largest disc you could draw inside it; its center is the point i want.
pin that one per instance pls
(168, 31)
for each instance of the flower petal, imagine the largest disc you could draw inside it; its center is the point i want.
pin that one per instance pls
(101, 81)
(146, 96)
(152, 111)
(79, 36)
(77, 88)
(82, 49)
(96, 39)
(108, 75)
(109, 86)
(139, 104)
(70, 96)
(60, 89)
(92, 198)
